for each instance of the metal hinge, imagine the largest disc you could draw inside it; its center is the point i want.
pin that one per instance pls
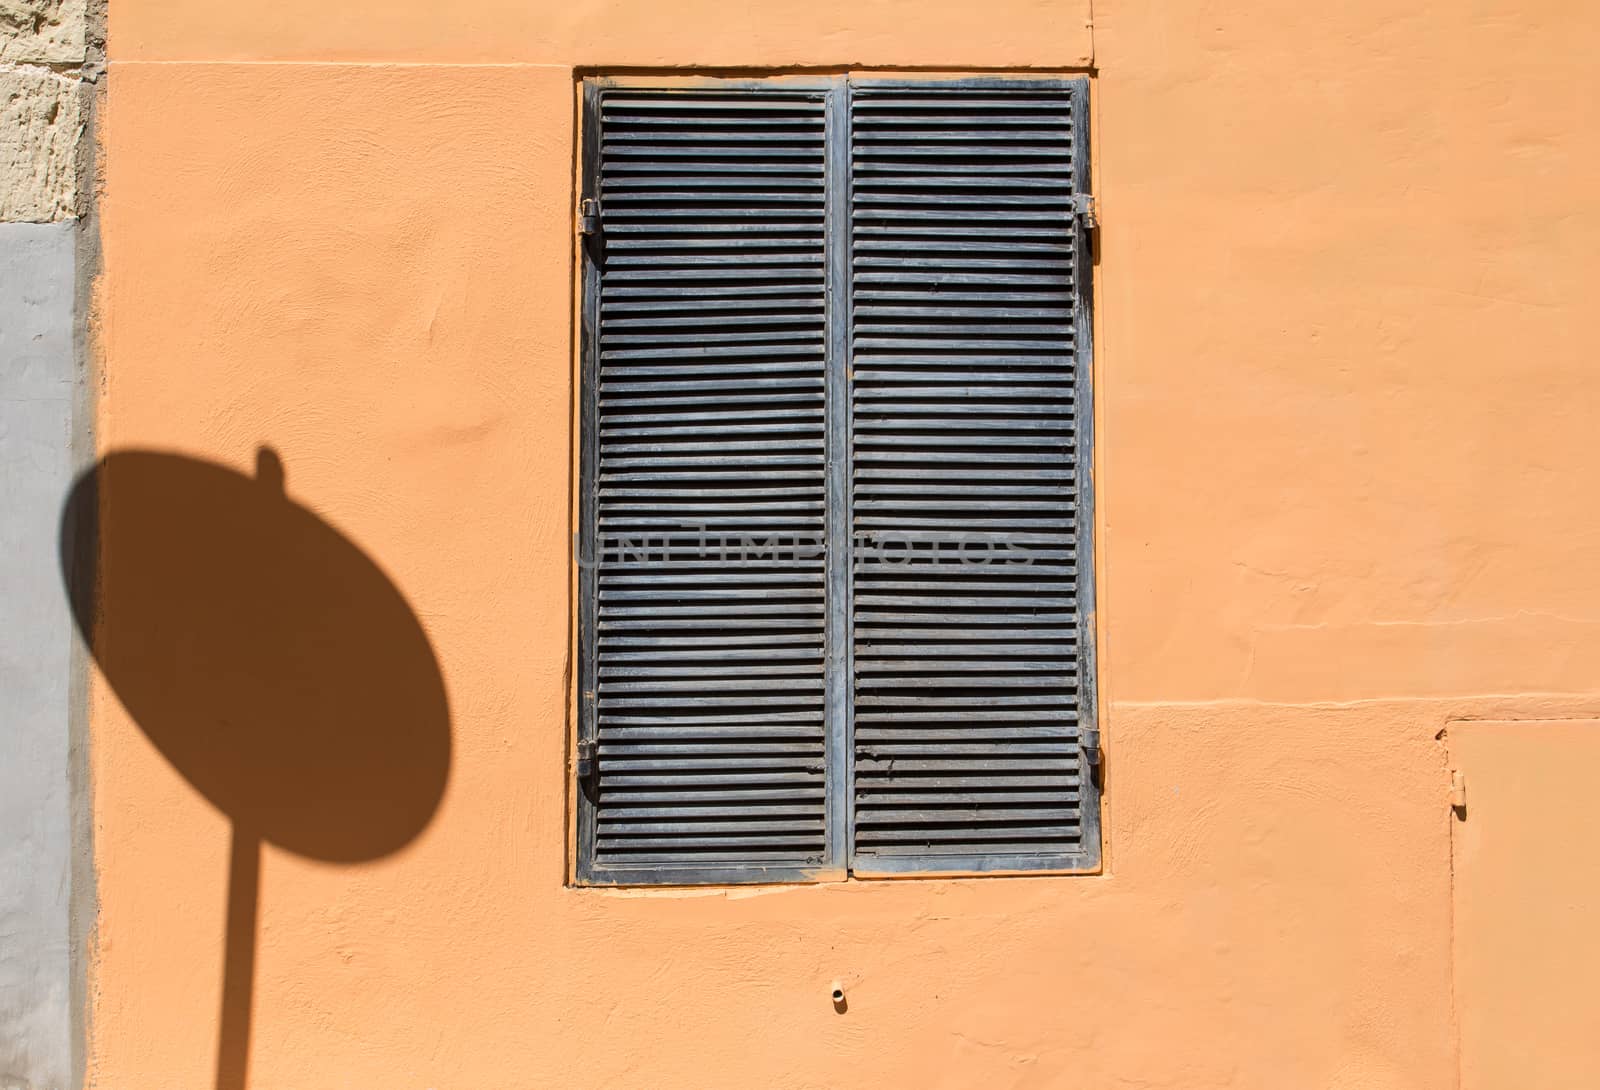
(588, 216)
(1458, 793)
(588, 760)
(1084, 208)
(1091, 753)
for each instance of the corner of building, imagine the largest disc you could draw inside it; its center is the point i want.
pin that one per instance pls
(52, 67)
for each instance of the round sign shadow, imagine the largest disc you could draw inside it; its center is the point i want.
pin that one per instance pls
(268, 658)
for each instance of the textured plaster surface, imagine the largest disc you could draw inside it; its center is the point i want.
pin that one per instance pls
(1344, 358)
(43, 31)
(41, 120)
(37, 398)
(1526, 885)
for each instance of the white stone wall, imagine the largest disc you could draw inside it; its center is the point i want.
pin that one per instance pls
(44, 63)
(50, 59)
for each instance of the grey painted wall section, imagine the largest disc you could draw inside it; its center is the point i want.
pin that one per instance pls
(38, 399)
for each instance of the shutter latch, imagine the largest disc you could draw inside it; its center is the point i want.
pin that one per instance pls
(588, 216)
(1083, 207)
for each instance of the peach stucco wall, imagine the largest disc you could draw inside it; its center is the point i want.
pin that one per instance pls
(1346, 389)
(1525, 954)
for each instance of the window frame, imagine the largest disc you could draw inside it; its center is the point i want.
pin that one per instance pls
(839, 648)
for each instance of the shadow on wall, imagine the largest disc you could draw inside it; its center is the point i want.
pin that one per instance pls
(270, 660)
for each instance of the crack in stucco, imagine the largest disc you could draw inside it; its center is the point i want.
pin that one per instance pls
(1441, 740)
(1499, 618)
(1353, 659)
(1584, 700)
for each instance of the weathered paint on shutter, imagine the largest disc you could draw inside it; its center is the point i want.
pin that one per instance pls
(972, 594)
(703, 617)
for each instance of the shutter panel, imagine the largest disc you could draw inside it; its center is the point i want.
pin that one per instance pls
(706, 325)
(969, 441)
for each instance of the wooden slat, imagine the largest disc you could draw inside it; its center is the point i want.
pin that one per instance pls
(706, 371)
(966, 356)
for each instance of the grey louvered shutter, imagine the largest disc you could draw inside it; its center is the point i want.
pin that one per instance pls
(703, 613)
(973, 716)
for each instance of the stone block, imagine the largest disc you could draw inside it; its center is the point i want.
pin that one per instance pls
(41, 119)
